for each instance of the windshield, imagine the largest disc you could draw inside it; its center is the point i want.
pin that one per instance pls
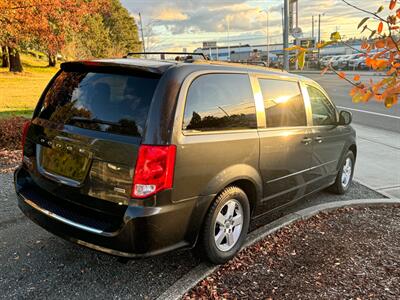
(112, 103)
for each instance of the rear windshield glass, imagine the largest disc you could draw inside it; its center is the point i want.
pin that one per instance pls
(100, 101)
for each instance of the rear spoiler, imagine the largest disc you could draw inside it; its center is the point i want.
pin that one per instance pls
(112, 67)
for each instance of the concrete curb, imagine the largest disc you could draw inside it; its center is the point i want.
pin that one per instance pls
(180, 287)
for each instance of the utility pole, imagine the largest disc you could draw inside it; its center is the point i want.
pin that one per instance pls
(141, 30)
(319, 38)
(268, 59)
(286, 35)
(312, 31)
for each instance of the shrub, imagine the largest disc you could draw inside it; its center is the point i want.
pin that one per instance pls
(11, 132)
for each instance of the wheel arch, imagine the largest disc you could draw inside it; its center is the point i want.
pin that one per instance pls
(243, 176)
(249, 189)
(353, 148)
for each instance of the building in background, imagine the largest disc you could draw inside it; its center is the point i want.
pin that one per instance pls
(249, 53)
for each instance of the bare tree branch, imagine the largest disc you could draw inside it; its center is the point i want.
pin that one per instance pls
(365, 11)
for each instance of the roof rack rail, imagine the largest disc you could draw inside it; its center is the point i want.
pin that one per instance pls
(163, 54)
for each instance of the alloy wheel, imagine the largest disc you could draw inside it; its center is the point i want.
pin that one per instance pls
(228, 225)
(347, 172)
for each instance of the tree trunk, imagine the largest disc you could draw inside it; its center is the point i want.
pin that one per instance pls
(15, 60)
(4, 57)
(52, 60)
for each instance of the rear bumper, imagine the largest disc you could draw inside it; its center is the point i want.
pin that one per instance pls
(142, 231)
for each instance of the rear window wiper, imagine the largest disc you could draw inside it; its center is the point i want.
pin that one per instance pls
(93, 121)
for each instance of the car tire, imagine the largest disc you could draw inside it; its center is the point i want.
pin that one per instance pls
(225, 226)
(344, 177)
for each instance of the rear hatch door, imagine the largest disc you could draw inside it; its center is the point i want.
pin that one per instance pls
(87, 129)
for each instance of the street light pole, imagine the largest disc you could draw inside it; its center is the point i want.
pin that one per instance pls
(312, 32)
(319, 28)
(319, 38)
(286, 35)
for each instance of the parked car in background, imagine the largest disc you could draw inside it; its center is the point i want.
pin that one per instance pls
(137, 157)
(353, 61)
(325, 60)
(336, 60)
(362, 64)
(343, 62)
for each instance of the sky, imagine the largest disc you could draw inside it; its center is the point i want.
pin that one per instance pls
(174, 25)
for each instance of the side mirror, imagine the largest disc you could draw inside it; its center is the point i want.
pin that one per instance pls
(345, 117)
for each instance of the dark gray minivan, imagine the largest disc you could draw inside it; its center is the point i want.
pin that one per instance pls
(136, 157)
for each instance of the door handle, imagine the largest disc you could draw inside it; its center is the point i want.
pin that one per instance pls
(306, 141)
(318, 139)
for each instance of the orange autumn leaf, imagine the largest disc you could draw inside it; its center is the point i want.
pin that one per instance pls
(380, 43)
(342, 75)
(398, 13)
(353, 91)
(357, 98)
(369, 61)
(380, 27)
(391, 71)
(390, 44)
(381, 63)
(364, 45)
(390, 100)
(357, 78)
(392, 4)
(367, 96)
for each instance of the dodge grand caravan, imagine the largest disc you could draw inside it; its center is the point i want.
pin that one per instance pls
(136, 157)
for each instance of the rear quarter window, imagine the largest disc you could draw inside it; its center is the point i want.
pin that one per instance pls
(218, 102)
(114, 103)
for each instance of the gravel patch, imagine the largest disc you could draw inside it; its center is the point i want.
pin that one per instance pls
(9, 160)
(356, 191)
(345, 254)
(8, 201)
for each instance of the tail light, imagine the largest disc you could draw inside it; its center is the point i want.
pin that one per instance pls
(25, 128)
(154, 170)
